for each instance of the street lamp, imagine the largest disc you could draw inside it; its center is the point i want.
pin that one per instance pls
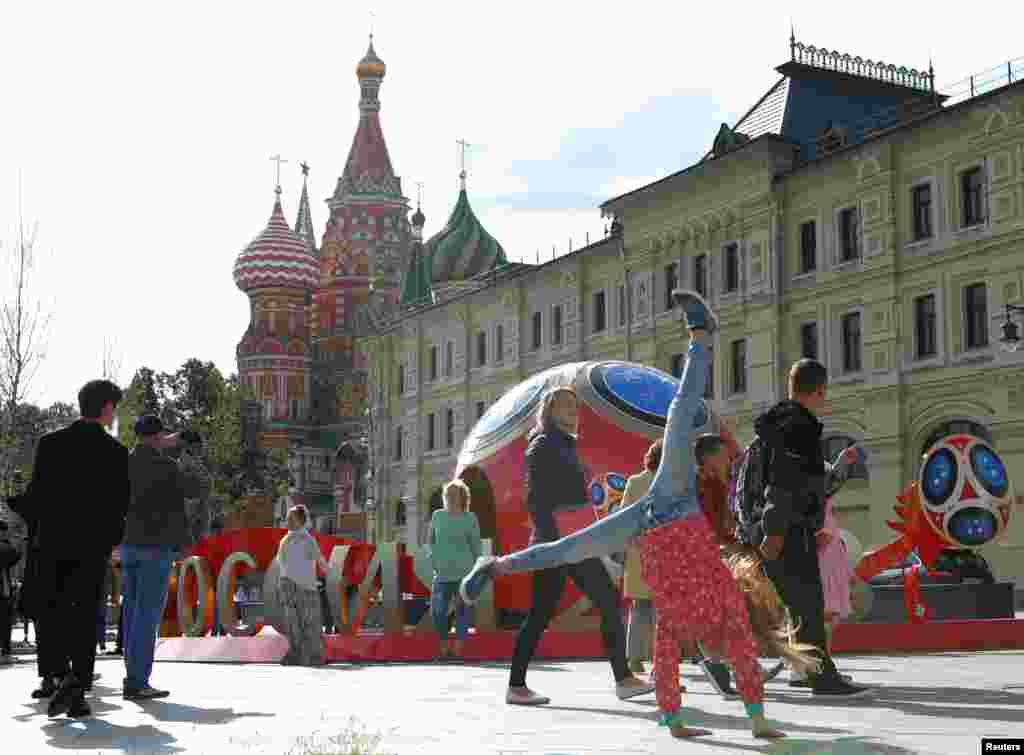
(1011, 337)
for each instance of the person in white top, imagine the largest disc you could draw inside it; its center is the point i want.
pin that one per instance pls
(298, 555)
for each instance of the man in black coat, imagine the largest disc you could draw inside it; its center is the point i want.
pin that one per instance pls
(77, 499)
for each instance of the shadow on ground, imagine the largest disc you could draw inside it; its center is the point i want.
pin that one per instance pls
(95, 733)
(701, 719)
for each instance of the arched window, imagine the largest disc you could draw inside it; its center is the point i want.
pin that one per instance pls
(833, 445)
(956, 427)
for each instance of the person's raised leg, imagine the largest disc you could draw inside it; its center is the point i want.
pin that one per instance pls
(604, 537)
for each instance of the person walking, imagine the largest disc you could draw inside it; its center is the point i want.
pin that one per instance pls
(555, 480)
(155, 531)
(77, 500)
(799, 479)
(640, 631)
(454, 548)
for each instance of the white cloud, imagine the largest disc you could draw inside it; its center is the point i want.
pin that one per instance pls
(142, 133)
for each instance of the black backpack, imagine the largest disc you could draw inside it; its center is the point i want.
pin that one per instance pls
(9, 554)
(748, 499)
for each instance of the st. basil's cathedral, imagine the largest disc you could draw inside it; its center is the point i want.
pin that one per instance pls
(303, 354)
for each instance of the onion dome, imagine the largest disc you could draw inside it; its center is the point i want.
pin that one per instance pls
(278, 258)
(371, 64)
(418, 219)
(416, 289)
(463, 248)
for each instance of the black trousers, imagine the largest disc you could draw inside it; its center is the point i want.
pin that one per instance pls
(69, 591)
(6, 623)
(797, 578)
(592, 579)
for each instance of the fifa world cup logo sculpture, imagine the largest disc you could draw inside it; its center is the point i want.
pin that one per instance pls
(961, 498)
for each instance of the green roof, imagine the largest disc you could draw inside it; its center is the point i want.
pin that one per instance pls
(463, 248)
(416, 286)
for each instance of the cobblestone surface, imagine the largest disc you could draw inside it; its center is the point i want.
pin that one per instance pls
(924, 704)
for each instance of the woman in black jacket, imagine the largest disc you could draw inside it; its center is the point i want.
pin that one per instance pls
(555, 480)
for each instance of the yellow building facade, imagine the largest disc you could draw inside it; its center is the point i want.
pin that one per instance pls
(888, 251)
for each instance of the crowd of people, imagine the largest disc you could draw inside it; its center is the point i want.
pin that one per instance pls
(728, 544)
(90, 505)
(706, 572)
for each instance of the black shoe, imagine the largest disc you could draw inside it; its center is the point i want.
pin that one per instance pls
(48, 688)
(839, 688)
(145, 693)
(65, 696)
(718, 675)
(79, 708)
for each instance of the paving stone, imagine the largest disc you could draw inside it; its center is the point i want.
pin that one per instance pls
(937, 704)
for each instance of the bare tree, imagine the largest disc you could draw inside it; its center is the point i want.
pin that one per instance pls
(24, 326)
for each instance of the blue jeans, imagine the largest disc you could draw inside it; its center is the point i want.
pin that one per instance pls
(146, 571)
(672, 493)
(441, 594)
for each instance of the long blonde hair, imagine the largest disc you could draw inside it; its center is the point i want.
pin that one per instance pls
(450, 491)
(769, 621)
(546, 404)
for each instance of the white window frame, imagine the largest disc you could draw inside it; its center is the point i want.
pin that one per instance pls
(539, 345)
(449, 410)
(971, 351)
(449, 367)
(432, 350)
(839, 369)
(707, 273)
(818, 333)
(678, 276)
(986, 184)
(499, 343)
(940, 350)
(933, 184)
(477, 365)
(593, 311)
(801, 273)
(733, 393)
(559, 342)
(837, 256)
(431, 444)
(726, 294)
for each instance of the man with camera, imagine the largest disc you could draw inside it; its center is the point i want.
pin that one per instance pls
(156, 530)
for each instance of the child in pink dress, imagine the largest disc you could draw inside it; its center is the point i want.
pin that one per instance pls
(835, 573)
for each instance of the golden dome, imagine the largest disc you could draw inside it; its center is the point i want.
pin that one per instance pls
(371, 64)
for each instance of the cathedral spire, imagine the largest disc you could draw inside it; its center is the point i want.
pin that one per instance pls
(368, 169)
(304, 220)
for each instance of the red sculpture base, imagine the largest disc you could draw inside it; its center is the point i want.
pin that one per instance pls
(269, 647)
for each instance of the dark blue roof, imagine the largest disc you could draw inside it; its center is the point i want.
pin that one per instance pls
(808, 99)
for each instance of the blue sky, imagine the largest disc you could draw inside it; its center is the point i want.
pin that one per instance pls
(140, 138)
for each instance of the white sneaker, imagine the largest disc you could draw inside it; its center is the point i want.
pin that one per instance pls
(633, 688)
(524, 696)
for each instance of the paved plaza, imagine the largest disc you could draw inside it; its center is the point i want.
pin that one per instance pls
(925, 704)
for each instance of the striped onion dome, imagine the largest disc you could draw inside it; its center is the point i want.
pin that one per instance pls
(463, 248)
(278, 258)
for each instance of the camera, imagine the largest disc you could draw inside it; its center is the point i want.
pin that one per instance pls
(190, 438)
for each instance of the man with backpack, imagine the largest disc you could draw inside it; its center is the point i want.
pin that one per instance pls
(781, 489)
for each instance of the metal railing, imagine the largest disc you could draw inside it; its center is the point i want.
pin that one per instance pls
(953, 94)
(833, 60)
